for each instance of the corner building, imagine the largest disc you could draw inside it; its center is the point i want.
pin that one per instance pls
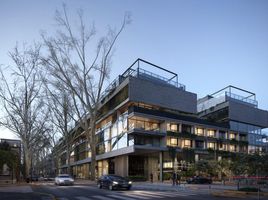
(148, 123)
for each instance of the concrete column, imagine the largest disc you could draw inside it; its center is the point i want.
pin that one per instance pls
(161, 166)
(193, 129)
(121, 165)
(205, 132)
(193, 143)
(217, 134)
(176, 164)
(179, 128)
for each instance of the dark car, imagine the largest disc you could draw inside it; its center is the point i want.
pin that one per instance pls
(32, 178)
(113, 182)
(199, 180)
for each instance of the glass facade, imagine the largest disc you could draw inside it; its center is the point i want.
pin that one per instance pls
(114, 136)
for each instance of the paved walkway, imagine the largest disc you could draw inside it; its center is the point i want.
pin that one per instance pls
(16, 188)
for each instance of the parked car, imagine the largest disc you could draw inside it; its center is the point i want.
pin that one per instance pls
(32, 178)
(199, 180)
(47, 178)
(113, 182)
(64, 179)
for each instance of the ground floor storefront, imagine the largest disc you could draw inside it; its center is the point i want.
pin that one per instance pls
(142, 165)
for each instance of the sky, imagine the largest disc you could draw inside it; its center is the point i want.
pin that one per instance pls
(210, 44)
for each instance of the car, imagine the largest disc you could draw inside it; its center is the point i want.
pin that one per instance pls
(113, 182)
(64, 179)
(199, 180)
(32, 178)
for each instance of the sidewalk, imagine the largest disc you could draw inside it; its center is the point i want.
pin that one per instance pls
(16, 188)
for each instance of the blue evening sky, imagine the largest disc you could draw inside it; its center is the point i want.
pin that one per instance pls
(209, 43)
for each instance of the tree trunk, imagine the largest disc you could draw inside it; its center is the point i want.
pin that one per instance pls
(27, 161)
(68, 159)
(92, 140)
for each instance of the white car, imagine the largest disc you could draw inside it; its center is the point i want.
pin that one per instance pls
(64, 179)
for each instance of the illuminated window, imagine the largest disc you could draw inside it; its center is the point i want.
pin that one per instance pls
(167, 165)
(211, 145)
(211, 133)
(199, 131)
(232, 136)
(174, 141)
(172, 127)
(187, 143)
(232, 148)
(223, 147)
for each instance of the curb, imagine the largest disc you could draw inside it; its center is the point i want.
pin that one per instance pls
(239, 194)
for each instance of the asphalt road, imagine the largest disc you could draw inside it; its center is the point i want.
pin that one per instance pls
(89, 192)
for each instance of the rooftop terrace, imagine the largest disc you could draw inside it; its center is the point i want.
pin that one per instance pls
(228, 93)
(146, 70)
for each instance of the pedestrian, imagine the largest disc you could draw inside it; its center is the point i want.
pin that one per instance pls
(178, 181)
(151, 177)
(174, 178)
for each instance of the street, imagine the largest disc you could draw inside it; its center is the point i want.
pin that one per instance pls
(90, 192)
(86, 190)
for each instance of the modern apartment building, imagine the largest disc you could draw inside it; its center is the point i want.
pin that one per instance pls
(150, 124)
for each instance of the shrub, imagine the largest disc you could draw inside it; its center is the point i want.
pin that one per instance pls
(248, 189)
(167, 176)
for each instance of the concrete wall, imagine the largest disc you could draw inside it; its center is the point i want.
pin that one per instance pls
(243, 113)
(151, 92)
(121, 165)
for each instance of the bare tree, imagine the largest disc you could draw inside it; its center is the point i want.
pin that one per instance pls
(62, 118)
(82, 71)
(23, 107)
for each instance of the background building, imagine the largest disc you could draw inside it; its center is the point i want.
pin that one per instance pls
(8, 174)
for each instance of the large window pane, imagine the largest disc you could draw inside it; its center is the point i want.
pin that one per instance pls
(106, 134)
(114, 131)
(122, 141)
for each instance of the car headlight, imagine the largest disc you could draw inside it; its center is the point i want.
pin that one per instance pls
(115, 182)
(61, 180)
(129, 182)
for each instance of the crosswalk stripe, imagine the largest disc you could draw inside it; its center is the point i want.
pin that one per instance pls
(82, 198)
(148, 195)
(168, 194)
(101, 197)
(62, 198)
(120, 197)
(136, 196)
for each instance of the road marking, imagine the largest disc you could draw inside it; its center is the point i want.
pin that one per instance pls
(137, 197)
(62, 198)
(101, 197)
(167, 194)
(148, 195)
(82, 198)
(120, 197)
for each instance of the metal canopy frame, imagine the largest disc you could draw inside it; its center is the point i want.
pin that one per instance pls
(251, 94)
(149, 63)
